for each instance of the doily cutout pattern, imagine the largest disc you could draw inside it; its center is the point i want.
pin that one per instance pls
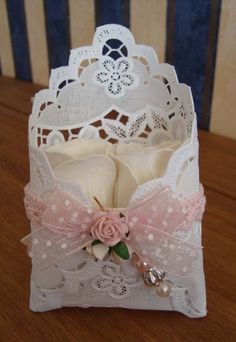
(114, 89)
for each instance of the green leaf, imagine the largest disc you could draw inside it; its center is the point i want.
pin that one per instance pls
(95, 242)
(121, 250)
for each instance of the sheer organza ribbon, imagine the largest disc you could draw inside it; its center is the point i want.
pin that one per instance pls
(61, 226)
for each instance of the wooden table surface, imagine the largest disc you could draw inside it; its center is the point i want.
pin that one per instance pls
(18, 323)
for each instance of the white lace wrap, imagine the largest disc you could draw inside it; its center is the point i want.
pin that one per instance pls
(115, 90)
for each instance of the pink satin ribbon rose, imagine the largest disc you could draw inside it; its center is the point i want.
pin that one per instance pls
(109, 228)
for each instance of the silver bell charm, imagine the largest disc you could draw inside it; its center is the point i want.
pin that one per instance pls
(153, 277)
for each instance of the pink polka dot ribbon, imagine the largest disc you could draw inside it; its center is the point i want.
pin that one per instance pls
(63, 225)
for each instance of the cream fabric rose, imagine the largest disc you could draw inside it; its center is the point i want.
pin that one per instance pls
(111, 172)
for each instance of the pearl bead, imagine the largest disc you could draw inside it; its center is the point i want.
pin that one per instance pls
(163, 290)
(141, 265)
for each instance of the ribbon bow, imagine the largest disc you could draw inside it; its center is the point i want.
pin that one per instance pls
(62, 226)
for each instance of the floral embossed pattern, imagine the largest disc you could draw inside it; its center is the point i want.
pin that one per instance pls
(115, 76)
(115, 282)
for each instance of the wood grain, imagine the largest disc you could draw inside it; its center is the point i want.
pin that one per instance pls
(17, 94)
(18, 323)
(218, 163)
